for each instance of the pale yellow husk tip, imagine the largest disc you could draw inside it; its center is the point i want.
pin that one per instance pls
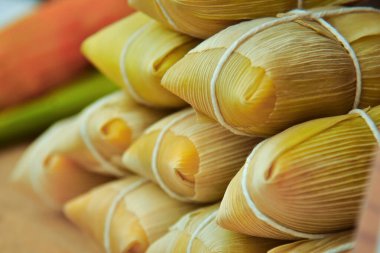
(76, 149)
(195, 159)
(309, 179)
(141, 216)
(283, 75)
(52, 177)
(150, 50)
(197, 232)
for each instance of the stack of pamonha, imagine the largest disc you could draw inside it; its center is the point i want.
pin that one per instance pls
(285, 184)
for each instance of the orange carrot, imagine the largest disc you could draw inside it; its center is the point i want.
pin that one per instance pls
(42, 50)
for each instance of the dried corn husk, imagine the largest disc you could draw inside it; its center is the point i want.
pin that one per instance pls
(126, 215)
(103, 131)
(195, 159)
(305, 182)
(93, 141)
(203, 19)
(146, 49)
(51, 176)
(339, 243)
(198, 232)
(283, 75)
(42, 50)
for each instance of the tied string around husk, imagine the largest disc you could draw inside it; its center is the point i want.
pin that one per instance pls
(154, 163)
(342, 248)
(85, 135)
(122, 63)
(273, 223)
(111, 211)
(285, 18)
(173, 25)
(198, 229)
(166, 14)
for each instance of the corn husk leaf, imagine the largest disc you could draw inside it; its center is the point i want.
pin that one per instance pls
(31, 118)
(211, 238)
(42, 50)
(113, 123)
(310, 178)
(340, 243)
(203, 19)
(196, 158)
(51, 176)
(151, 50)
(286, 74)
(143, 215)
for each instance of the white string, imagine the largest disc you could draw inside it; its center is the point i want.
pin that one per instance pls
(83, 128)
(259, 214)
(122, 65)
(167, 15)
(371, 124)
(201, 226)
(111, 211)
(297, 14)
(154, 163)
(341, 248)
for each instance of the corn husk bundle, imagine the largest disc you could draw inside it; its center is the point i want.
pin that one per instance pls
(51, 176)
(190, 158)
(203, 19)
(45, 56)
(135, 53)
(94, 141)
(339, 243)
(31, 118)
(282, 74)
(305, 182)
(198, 232)
(126, 215)
(98, 137)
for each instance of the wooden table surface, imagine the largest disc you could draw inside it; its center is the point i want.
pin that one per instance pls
(27, 226)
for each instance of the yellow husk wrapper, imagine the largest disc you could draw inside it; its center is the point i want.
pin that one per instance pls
(197, 158)
(112, 124)
(203, 19)
(152, 50)
(141, 217)
(286, 74)
(52, 177)
(211, 238)
(340, 243)
(310, 178)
